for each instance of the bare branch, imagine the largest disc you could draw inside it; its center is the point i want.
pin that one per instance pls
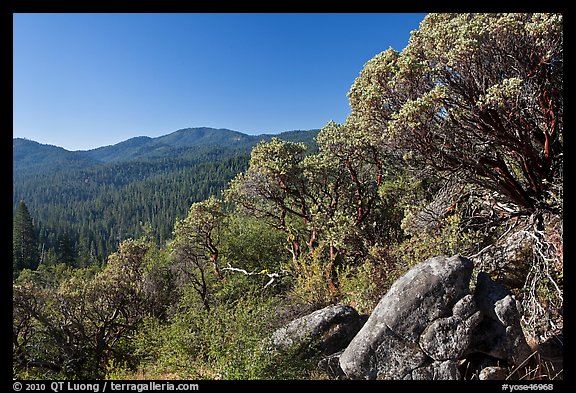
(273, 276)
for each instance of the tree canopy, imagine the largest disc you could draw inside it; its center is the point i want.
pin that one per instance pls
(477, 95)
(25, 252)
(453, 146)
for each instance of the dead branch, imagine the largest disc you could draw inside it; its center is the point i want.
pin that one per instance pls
(272, 276)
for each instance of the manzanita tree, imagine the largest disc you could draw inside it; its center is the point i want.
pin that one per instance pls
(475, 94)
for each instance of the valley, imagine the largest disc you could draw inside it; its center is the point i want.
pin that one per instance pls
(84, 203)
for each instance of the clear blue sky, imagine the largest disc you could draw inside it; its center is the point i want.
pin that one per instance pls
(87, 80)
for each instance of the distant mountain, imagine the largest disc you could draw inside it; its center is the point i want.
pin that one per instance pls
(30, 156)
(143, 147)
(93, 199)
(206, 136)
(118, 151)
(33, 156)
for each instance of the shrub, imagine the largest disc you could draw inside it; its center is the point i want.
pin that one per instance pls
(448, 238)
(363, 286)
(310, 283)
(228, 342)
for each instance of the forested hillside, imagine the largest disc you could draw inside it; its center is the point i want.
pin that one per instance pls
(85, 202)
(454, 146)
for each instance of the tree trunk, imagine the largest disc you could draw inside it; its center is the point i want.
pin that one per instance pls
(329, 272)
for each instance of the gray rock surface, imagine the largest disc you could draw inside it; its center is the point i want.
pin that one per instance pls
(493, 373)
(427, 324)
(329, 329)
(500, 333)
(487, 293)
(387, 346)
(446, 370)
(449, 338)
(331, 365)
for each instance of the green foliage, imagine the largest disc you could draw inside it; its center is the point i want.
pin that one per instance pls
(234, 341)
(159, 282)
(71, 322)
(448, 238)
(24, 240)
(202, 227)
(251, 244)
(273, 185)
(363, 286)
(229, 342)
(195, 248)
(358, 287)
(311, 280)
(99, 198)
(274, 189)
(475, 97)
(99, 207)
(476, 93)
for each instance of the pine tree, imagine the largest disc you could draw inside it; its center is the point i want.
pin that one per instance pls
(66, 250)
(24, 241)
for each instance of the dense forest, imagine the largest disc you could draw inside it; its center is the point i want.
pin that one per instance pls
(85, 203)
(454, 145)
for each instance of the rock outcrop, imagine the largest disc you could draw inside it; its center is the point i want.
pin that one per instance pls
(387, 346)
(500, 334)
(428, 326)
(429, 322)
(329, 330)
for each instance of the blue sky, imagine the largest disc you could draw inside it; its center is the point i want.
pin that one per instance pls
(87, 80)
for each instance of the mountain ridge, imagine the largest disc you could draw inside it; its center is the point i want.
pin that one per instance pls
(93, 199)
(29, 155)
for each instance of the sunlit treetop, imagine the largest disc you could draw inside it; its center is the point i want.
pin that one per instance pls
(475, 94)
